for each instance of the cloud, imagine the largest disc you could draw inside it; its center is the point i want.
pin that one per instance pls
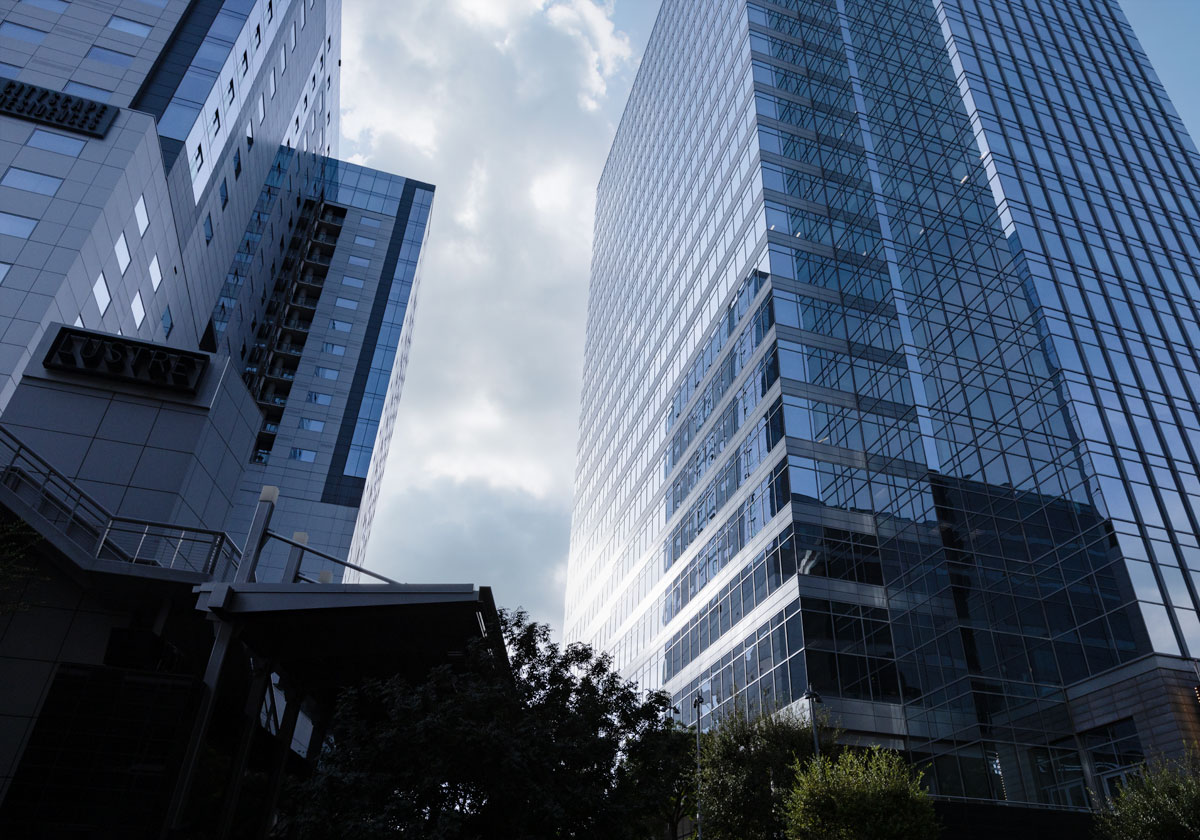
(509, 109)
(496, 14)
(606, 48)
(504, 543)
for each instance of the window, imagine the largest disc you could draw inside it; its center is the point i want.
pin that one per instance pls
(132, 27)
(306, 455)
(310, 425)
(208, 229)
(87, 91)
(320, 399)
(270, 10)
(100, 292)
(216, 119)
(258, 36)
(36, 182)
(197, 159)
(367, 221)
(59, 6)
(21, 33)
(14, 225)
(352, 281)
(327, 373)
(237, 163)
(139, 311)
(340, 326)
(230, 95)
(155, 273)
(364, 240)
(117, 59)
(4, 267)
(361, 262)
(271, 89)
(262, 107)
(245, 63)
(346, 303)
(333, 349)
(249, 134)
(139, 212)
(167, 322)
(282, 61)
(303, 15)
(293, 40)
(122, 249)
(224, 193)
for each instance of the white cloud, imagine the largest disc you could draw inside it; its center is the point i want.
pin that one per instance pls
(467, 215)
(606, 48)
(496, 14)
(482, 98)
(564, 197)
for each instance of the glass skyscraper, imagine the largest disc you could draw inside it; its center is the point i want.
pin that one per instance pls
(892, 384)
(168, 173)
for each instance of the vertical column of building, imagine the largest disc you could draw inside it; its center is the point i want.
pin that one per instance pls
(677, 329)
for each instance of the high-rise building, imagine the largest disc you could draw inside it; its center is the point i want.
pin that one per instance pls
(892, 384)
(168, 174)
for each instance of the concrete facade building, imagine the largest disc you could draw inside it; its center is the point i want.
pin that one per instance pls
(892, 385)
(205, 320)
(168, 173)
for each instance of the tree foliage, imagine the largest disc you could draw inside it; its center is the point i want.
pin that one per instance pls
(860, 793)
(747, 769)
(659, 778)
(1163, 803)
(475, 752)
(17, 568)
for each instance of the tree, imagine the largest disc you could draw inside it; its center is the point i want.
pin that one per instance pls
(1162, 803)
(659, 774)
(17, 567)
(747, 769)
(860, 793)
(477, 751)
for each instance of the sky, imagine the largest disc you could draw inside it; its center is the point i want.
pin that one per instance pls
(509, 108)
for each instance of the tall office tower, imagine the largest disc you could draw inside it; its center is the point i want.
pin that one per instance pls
(891, 384)
(167, 174)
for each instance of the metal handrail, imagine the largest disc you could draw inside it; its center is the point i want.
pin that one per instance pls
(217, 550)
(324, 556)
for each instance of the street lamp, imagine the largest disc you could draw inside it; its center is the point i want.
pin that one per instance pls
(697, 702)
(813, 699)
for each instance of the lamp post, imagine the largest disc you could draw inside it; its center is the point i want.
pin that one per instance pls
(697, 702)
(813, 699)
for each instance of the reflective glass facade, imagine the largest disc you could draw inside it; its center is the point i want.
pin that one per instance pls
(891, 384)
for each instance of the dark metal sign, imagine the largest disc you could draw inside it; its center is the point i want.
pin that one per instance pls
(53, 107)
(114, 357)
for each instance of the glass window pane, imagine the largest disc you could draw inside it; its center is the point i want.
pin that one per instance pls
(14, 225)
(23, 179)
(139, 210)
(21, 33)
(100, 291)
(131, 27)
(53, 142)
(122, 250)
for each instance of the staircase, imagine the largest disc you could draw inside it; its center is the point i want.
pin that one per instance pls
(64, 509)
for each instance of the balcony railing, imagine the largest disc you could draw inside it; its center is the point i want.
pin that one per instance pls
(101, 535)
